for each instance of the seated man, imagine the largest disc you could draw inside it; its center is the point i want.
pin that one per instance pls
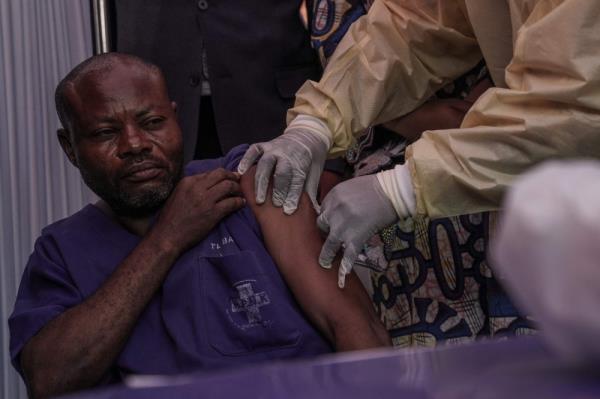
(167, 274)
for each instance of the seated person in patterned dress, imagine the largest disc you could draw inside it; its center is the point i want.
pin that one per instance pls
(171, 271)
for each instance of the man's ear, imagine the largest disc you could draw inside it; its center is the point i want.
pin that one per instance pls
(65, 142)
(174, 106)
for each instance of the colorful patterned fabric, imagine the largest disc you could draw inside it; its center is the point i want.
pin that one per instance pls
(431, 279)
(330, 19)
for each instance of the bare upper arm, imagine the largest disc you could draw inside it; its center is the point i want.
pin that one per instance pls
(294, 241)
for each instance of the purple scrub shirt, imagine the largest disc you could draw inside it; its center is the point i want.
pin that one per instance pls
(223, 303)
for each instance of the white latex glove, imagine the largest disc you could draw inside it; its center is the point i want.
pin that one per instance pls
(298, 157)
(358, 208)
(547, 255)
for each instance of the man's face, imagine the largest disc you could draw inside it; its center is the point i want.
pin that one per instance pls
(125, 138)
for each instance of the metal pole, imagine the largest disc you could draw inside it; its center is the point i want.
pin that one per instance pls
(101, 22)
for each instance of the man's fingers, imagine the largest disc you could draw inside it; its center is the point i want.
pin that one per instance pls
(295, 191)
(350, 255)
(216, 176)
(261, 178)
(224, 189)
(330, 249)
(228, 205)
(251, 155)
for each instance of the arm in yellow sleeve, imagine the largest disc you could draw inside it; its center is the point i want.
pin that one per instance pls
(551, 109)
(389, 62)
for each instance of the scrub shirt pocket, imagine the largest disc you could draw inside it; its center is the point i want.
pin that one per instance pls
(246, 305)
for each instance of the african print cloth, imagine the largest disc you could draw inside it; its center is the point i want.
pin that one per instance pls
(330, 19)
(431, 280)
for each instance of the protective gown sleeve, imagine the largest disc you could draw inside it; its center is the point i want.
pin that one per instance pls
(551, 109)
(389, 62)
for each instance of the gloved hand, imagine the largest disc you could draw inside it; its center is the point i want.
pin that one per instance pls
(351, 213)
(357, 209)
(297, 156)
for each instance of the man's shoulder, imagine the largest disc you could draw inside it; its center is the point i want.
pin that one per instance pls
(229, 162)
(72, 224)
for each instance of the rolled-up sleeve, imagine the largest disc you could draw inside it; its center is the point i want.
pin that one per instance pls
(389, 62)
(551, 109)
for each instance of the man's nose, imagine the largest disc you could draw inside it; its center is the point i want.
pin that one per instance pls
(133, 141)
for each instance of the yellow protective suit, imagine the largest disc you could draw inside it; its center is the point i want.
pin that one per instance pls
(544, 56)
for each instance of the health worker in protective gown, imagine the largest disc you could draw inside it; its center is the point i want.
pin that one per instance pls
(543, 58)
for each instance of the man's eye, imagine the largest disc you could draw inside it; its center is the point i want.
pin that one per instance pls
(100, 133)
(153, 123)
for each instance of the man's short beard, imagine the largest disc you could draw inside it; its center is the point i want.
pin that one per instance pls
(139, 205)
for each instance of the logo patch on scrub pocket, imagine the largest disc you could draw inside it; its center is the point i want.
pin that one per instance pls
(249, 303)
(246, 306)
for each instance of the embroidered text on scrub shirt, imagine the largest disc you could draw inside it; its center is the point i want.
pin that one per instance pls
(216, 246)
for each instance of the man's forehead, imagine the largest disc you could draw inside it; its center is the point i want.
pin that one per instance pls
(120, 76)
(124, 85)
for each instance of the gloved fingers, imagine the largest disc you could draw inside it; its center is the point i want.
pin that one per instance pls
(261, 178)
(251, 155)
(341, 278)
(350, 255)
(323, 223)
(295, 191)
(312, 186)
(330, 249)
(281, 181)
